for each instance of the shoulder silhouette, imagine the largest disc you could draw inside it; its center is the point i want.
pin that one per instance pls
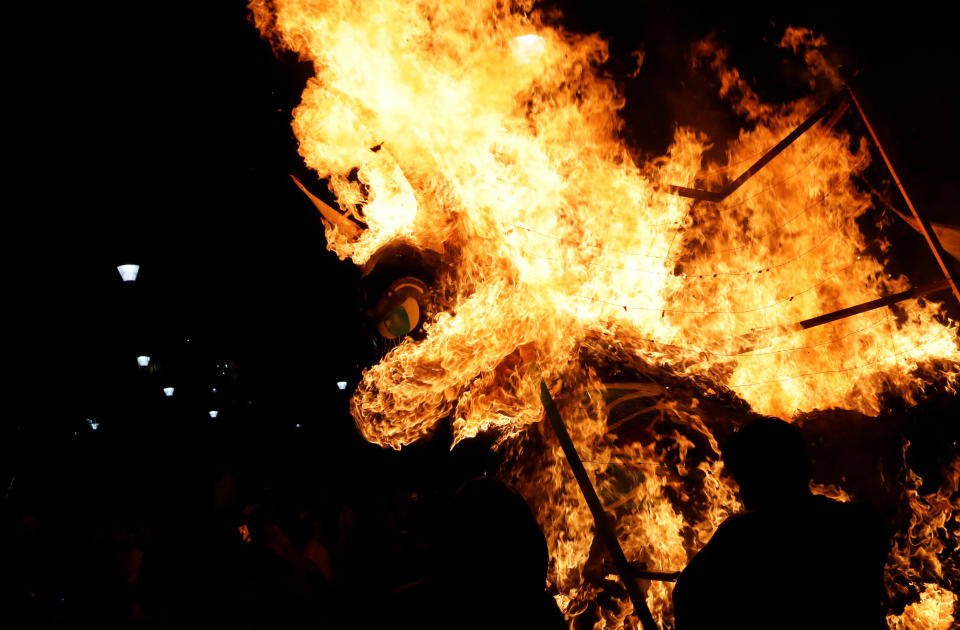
(793, 559)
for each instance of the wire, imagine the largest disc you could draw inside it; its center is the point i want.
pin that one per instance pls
(708, 274)
(700, 276)
(740, 312)
(778, 265)
(828, 342)
(822, 372)
(625, 462)
(748, 243)
(747, 353)
(785, 179)
(838, 371)
(729, 165)
(776, 228)
(807, 207)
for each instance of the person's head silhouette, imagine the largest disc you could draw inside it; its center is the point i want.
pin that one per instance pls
(769, 461)
(494, 538)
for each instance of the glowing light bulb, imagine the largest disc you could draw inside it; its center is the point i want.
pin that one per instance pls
(128, 272)
(168, 391)
(143, 360)
(214, 413)
(342, 385)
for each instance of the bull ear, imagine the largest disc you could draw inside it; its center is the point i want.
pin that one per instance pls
(949, 237)
(331, 218)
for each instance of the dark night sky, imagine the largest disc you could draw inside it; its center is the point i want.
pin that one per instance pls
(165, 141)
(159, 134)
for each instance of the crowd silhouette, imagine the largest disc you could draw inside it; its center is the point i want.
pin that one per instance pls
(227, 548)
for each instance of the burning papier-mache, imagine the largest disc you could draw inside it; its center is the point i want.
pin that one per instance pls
(487, 141)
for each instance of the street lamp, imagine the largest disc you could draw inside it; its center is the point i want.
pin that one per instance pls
(143, 360)
(128, 272)
(168, 391)
(341, 385)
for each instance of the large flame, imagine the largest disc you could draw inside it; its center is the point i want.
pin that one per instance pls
(478, 131)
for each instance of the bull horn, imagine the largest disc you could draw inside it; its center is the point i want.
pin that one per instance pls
(331, 218)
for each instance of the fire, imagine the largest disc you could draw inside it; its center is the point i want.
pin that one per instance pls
(934, 610)
(479, 132)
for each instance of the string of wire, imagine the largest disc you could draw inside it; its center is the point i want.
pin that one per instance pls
(726, 167)
(836, 371)
(832, 371)
(699, 276)
(729, 165)
(748, 353)
(673, 223)
(754, 309)
(757, 237)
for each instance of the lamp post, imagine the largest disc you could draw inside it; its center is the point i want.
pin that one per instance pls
(128, 272)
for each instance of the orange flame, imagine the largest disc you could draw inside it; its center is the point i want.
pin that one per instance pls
(478, 131)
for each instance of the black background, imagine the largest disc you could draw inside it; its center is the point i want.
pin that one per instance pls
(159, 135)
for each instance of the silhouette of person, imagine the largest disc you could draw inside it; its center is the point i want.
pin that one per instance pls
(793, 559)
(491, 566)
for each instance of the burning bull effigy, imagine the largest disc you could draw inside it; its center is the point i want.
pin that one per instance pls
(659, 305)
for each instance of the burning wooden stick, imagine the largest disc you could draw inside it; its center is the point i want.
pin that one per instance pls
(918, 223)
(604, 529)
(932, 287)
(657, 576)
(708, 195)
(749, 340)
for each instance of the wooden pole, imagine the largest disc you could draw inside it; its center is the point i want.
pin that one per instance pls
(924, 289)
(925, 226)
(748, 341)
(811, 120)
(715, 196)
(604, 529)
(656, 576)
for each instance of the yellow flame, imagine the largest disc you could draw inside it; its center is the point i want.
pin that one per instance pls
(478, 131)
(934, 610)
